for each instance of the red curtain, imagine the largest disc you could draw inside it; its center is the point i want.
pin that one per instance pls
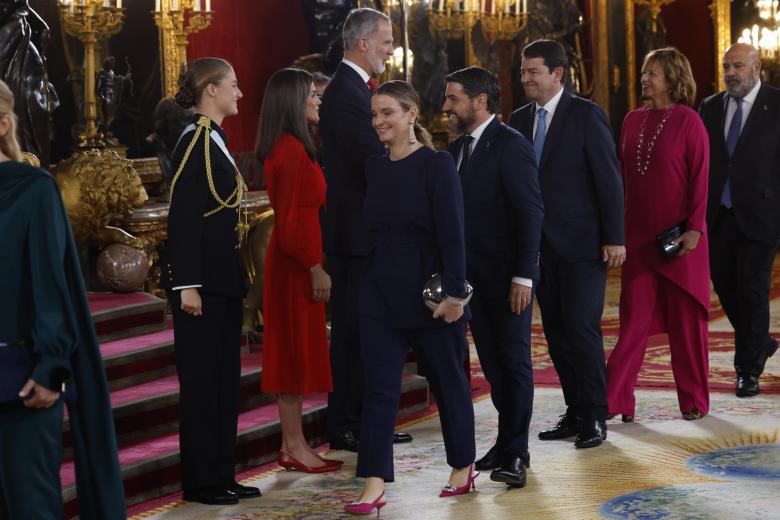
(258, 38)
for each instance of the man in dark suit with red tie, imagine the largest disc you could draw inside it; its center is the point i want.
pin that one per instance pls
(743, 206)
(503, 227)
(348, 140)
(583, 234)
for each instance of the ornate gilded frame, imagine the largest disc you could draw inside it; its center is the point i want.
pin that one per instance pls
(720, 11)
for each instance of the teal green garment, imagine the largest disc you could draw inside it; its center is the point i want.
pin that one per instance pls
(44, 300)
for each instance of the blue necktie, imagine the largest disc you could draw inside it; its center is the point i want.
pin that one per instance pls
(541, 130)
(731, 142)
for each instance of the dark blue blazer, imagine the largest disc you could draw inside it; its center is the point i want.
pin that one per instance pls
(503, 210)
(754, 169)
(414, 208)
(348, 139)
(580, 178)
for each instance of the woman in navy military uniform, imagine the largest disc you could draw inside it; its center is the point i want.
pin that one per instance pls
(414, 208)
(205, 280)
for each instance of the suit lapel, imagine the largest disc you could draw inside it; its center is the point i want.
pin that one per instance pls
(754, 119)
(556, 127)
(527, 128)
(478, 155)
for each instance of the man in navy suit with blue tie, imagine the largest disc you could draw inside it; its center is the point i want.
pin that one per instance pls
(503, 225)
(348, 140)
(583, 234)
(743, 206)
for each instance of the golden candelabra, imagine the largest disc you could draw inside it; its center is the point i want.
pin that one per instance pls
(654, 6)
(500, 19)
(91, 21)
(176, 20)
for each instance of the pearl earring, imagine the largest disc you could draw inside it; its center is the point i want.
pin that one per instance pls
(412, 137)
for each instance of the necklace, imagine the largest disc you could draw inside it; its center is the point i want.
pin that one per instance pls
(641, 166)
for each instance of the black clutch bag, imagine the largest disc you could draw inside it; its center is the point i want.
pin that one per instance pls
(16, 365)
(664, 239)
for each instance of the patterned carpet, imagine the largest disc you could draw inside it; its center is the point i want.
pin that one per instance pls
(661, 467)
(724, 466)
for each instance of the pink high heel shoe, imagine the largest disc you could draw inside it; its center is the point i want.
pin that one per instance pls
(366, 508)
(451, 491)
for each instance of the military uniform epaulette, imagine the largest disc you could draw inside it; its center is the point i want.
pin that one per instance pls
(203, 126)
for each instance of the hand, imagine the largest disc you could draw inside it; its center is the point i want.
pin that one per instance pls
(41, 397)
(613, 256)
(447, 311)
(320, 284)
(519, 297)
(191, 302)
(689, 240)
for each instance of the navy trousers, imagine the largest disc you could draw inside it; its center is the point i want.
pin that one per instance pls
(30, 458)
(571, 299)
(208, 363)
(346, 399)
(442, 351)
(503, 342)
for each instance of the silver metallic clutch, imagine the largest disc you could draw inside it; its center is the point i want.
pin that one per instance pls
(433, 292)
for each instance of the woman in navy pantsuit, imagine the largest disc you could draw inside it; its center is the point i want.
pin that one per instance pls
(414, 208)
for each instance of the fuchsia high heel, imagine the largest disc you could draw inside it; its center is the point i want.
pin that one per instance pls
(366, 508)
(451, 491)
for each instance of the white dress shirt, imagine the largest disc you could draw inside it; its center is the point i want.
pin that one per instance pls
(476, 134)
(747, 106)
(550, 108)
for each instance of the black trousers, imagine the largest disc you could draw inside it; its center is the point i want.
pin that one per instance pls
(30, 458)
(741, 270)
(571, 300)
(503, 342)
(208, 362)
(344, 403)
(442, 351)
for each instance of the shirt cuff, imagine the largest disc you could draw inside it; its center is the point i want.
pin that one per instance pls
(186, 287)
(523, 281)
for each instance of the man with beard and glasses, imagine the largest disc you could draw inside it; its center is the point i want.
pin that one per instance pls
(348, 140)
(582, 237)
(743, 207)
(503, 228)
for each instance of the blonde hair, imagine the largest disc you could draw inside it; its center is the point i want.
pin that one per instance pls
(9, 144)
(678, 74)
(407, 97)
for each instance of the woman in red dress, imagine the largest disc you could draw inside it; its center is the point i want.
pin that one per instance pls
(295, 348)
(665, 155)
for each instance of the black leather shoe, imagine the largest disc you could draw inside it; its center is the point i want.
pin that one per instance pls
(566, 427)
(245, 491)
(592, 433)
(491, 460)
(401, 438)
(213, 496)
(511, 472)
(346, 442)
(747, 386)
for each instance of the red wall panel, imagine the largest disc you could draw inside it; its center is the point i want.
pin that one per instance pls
(690, 28)
(258, 37)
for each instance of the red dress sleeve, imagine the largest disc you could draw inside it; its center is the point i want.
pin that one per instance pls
(697, 158)
(287, 178)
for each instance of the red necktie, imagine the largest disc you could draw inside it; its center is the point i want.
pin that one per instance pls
(372, 85)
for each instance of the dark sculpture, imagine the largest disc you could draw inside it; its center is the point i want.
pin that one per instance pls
(110, 88)
(23, 40)
(169, 122)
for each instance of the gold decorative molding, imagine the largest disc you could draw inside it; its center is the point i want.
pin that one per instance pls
(630, 53)
(720, 10)
(598, 15)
